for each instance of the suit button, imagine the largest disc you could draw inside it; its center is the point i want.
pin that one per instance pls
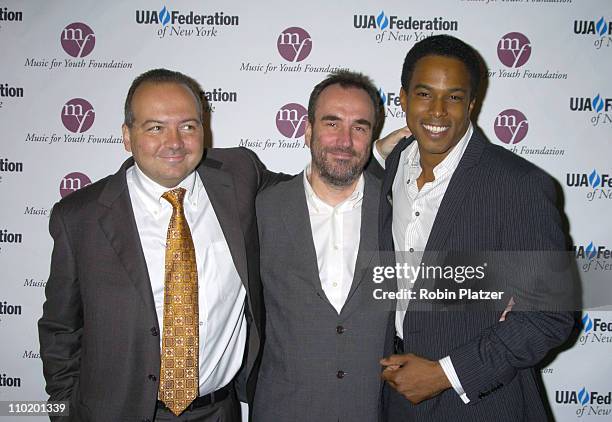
(340, 329)
(154, 332)
(153, 378)
(340, 374)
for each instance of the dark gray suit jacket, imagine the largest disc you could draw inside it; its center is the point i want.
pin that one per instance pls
(307, 342)
(496, 201)
(99, 335)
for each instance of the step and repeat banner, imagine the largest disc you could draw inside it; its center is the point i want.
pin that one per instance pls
(66, 67)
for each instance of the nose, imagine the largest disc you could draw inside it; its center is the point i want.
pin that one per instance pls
(345, 136)
(174, 138)
(438, 107)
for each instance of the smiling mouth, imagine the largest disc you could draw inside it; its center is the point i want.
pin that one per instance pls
(173, 158)
(435, 129)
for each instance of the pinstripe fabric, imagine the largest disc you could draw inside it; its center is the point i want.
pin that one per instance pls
(496, 201)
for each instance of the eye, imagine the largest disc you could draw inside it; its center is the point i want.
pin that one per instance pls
(456, 98)
(331, 124)
(188, 126)
(155, 128)
(422, 94)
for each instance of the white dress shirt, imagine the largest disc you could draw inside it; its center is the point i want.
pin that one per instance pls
(414, 213)
(221, 295)
(336, 235)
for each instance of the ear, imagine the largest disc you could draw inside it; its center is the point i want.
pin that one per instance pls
(308, 134)
(404, 100)
(471, 106)
(126, 138)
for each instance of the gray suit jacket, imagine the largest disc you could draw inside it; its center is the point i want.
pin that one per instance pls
(99, 335)
(307, 342)
(496, 201)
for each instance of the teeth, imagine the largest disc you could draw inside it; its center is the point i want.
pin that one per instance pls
(436, 129)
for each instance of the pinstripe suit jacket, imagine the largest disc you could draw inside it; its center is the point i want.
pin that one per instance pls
(496, 201)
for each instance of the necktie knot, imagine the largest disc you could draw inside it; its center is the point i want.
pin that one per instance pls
(175, 197)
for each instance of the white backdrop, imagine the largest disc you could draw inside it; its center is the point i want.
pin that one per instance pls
(67, 65)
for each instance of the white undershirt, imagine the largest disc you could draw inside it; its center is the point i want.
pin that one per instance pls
(221, 294)
(336, 235)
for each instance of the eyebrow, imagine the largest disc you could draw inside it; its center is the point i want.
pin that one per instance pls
(193, 119)
(332, 118)
(424, 86)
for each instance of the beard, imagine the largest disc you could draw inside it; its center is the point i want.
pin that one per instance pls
(339, 173)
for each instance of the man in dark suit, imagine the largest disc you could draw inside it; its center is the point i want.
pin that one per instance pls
(325, 330)
(451, 190)
(108, 296)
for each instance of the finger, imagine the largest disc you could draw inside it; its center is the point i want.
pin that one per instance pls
(396, 359)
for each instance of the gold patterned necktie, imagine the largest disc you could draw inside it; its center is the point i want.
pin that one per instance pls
(178, 384)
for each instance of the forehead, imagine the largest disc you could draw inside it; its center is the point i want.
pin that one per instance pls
(338, 99)
(165, 96)
(440, 72)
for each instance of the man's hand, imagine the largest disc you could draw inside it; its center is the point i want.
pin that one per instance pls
(385, 145)
(414, 377)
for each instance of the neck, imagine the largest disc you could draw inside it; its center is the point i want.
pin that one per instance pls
(330, 194)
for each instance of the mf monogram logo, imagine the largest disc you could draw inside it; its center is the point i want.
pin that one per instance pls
(514, 49)
(511, 126)
(78, 115)
(291, 120)
(78, 39)
(294, 44)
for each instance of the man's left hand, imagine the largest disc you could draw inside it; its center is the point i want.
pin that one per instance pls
(414, 377)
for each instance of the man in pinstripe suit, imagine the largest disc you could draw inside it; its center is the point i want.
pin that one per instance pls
(451, 190)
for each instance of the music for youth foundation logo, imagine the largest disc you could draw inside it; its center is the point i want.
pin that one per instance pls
(290, 122)
(511, 127)
(294, 45)
(78, 40)
(514, 51)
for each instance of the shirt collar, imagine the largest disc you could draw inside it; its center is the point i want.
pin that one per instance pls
(353, 201)
(450, 162)
(151, 191)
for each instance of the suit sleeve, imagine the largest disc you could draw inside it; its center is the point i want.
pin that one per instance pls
(265, 177)
(492, 359)
(61, 325)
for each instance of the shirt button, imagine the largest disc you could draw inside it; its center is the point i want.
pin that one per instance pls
(340, 374)
(340, 329)
(153, 378)
(417, 213)
(411, 250)
(154, 332)
(335, 284)
(336, 247)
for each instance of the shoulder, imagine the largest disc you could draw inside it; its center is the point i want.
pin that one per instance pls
(83, 198)
(232, 157)
(504, 165)
(281, 192)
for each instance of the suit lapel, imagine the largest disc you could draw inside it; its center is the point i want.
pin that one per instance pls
(457, 190)
(118, 224)
(297, 222)
(220, 188)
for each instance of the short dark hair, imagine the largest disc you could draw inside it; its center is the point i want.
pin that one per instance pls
(446, 46)
(348, 79)
(159, 76)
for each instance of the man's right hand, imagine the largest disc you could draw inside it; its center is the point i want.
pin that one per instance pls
(385, 145)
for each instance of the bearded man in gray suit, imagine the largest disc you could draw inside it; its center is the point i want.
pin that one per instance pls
(318, 241)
